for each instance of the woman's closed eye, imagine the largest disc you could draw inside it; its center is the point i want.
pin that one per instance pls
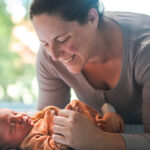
(63, 39)
(60, 40)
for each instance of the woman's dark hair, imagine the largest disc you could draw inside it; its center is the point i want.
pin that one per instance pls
(69, 10)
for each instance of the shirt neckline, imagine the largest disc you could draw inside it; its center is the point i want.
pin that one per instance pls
(124, 63)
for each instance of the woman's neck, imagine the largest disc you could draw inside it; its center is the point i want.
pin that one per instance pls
(109, 42)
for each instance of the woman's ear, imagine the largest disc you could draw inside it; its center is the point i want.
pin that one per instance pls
(93, 18)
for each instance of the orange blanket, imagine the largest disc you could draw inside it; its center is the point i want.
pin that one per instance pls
(40, 136)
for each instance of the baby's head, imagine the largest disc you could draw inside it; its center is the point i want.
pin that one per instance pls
(14, 127)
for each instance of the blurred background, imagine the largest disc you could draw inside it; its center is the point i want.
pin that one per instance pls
(18, 48)
(19, 45)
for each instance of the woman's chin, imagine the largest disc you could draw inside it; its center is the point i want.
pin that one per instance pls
(74, 70)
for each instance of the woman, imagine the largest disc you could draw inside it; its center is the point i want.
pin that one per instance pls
(105, 58)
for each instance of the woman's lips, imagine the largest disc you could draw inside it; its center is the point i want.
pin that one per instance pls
(68, 60)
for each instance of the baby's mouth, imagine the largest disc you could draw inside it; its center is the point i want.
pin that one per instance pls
(68, 60)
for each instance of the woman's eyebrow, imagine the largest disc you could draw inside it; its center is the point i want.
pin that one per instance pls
(60, 35)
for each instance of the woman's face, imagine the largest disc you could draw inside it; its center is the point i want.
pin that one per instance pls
(67, 42)
(14, 127)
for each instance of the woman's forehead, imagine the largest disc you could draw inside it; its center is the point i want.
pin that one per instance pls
(51, 26)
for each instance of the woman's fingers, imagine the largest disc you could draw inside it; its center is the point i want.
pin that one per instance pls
(65, 117)
(59, 120)
(65, 112)
(75, 129)
(59, 138)
(57, 129)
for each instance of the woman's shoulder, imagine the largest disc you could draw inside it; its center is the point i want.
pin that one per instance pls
(136, 32)
(127, 16)
(134, 23)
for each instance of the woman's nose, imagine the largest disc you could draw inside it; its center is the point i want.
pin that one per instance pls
(54, 51)
(54, 55)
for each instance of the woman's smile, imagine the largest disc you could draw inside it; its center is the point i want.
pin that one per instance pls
(69, 59)
(67, 42)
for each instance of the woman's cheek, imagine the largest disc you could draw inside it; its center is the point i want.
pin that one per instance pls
(72, 47)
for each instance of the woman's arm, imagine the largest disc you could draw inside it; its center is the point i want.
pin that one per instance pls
(52, 90)
(142, 78)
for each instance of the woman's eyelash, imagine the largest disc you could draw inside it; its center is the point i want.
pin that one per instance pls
(62, 41)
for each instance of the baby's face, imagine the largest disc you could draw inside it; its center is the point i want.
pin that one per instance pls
(14, 127)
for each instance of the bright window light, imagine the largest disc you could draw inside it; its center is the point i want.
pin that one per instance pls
(137, 6)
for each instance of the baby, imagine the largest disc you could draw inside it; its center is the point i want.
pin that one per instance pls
(18, 130)
(13, 128)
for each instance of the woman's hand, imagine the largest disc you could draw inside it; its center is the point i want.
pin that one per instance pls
(112, 122)
(73, 129)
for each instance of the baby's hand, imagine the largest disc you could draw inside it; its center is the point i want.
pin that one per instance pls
(112, 122)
